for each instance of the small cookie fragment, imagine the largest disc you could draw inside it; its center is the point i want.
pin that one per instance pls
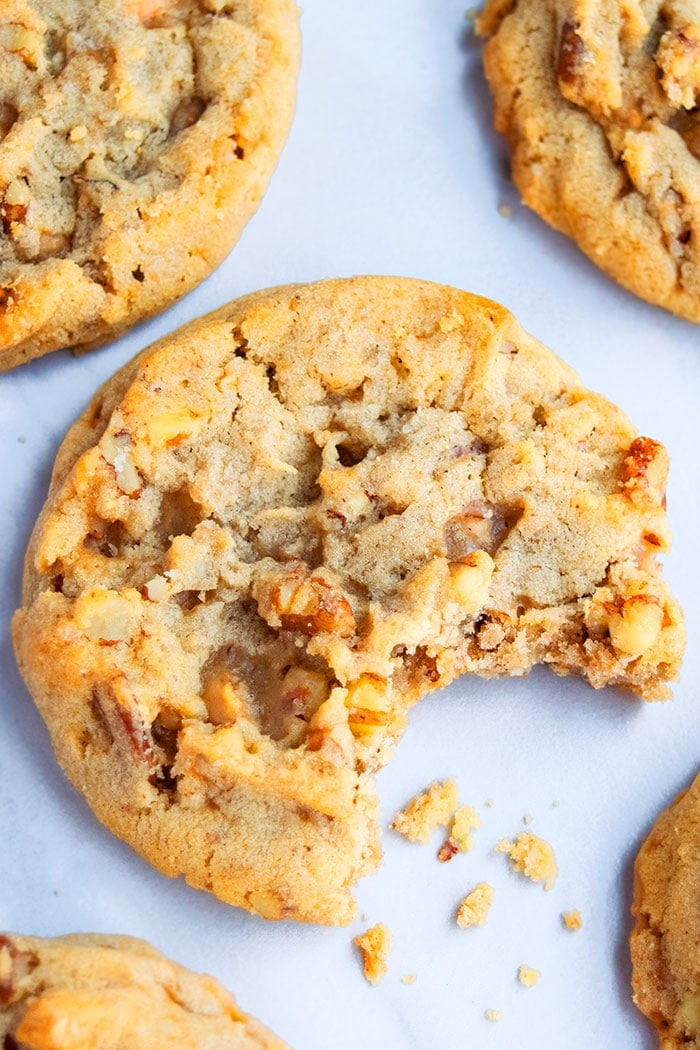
(474, 909)
(85, 991)
(460, 840)
(531, 857)
(375, 945)
(493, 1015)
(572, 919)
(528, 976)
(409, 978)
(428, 811)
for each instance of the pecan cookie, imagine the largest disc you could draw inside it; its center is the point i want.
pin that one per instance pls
(278, 528)
(93, 992)
(599, 103)
(136, 140)
(665, 942)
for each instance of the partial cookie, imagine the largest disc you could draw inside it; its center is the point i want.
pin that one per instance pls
(665, 942)
(278, 528)
(136, 140)
(599, 103)
(92, 992)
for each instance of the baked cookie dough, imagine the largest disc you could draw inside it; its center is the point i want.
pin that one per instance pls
(279, 527)
(136, 140)
(665, 942)
(94, 992)
(598, 100)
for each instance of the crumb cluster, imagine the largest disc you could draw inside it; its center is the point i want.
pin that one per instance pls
(428, 811)
(531, 857)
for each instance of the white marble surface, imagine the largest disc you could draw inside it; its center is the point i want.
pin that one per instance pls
(392, 167)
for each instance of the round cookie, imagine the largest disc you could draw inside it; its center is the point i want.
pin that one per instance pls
(599, 103)
(136, 140)
(665, 942)
(279, 527)
(94, 992)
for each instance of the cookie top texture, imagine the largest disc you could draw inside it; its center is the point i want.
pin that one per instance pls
(276, 529)
(136, 139)
(665, 942)
(599, 103)
(95, 992)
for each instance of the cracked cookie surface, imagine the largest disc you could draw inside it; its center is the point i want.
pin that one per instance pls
(136, 140)
(278, 528)
(665, 942)
(97, 992)
(598, 100)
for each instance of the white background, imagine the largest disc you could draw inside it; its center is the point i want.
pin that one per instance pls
(392, 167)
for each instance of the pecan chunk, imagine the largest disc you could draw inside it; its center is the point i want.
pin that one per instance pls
(15, 967)
(296, 600)
(571, 48)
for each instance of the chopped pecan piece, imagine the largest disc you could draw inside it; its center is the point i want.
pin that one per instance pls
(187, 112)
(645, 469)
(15, 967)
(297, 601)
(369, 707)
(678, 58)
(8, 116)
(12, 213)
(571, 48)
(634, 623)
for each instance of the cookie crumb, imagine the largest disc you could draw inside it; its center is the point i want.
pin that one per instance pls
(474, 908)
(489, 802)
(527, 819)
(527, 976)
(430, 810)
(460, 840)
(505, 210)
(409, 978)
(375, 945)
(556, 803)
(532, 857)
(572, 919)
(493, 1015)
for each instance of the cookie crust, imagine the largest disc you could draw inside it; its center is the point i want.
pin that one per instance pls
(598, 102)
(136, 140)
(114, 993)
(278, 528)
(665, 942)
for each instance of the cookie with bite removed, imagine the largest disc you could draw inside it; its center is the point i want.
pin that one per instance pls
(279, 527)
